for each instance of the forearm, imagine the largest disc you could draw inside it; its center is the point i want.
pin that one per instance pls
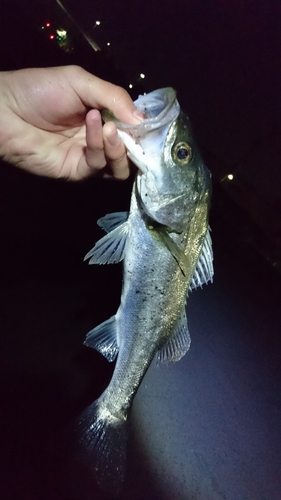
(5, 114)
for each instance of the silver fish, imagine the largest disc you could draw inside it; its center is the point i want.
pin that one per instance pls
(165, 244)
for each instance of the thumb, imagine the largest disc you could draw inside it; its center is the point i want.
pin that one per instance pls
(97, 93)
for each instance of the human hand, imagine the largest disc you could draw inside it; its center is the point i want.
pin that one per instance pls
(50, 123)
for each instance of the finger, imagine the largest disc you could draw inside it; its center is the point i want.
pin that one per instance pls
(115, 152)
(97, 93)
(95, 157)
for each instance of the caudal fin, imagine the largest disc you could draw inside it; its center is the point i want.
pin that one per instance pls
(104, 441)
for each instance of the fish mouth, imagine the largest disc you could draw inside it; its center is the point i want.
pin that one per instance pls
(160, 108)
(145, 141)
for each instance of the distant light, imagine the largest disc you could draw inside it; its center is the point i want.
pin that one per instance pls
(130, 86)
(142, 75)
(108, 43)
(97, 23)
(42, 27)
(48, 25)
(61, 33)
(229, 177)
(52, 37)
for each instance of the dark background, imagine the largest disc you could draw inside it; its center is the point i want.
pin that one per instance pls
(209, 426)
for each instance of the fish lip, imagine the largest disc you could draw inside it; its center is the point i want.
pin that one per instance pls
(168, 113)
(142, 169)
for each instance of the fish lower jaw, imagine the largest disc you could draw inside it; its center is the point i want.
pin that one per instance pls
(137, 160)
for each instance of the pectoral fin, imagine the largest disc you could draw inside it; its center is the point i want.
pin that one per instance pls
(103, 338)
(111, 248)
(177, 345)
(111, 221)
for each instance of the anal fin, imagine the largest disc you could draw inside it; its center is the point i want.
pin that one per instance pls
(103, 338)
(177, 345)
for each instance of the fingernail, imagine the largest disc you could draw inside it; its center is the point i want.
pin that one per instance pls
(114, 139)
(139, 115)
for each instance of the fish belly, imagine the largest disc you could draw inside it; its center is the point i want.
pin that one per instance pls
(153, 296)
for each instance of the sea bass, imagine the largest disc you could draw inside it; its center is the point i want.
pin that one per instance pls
(164, 242)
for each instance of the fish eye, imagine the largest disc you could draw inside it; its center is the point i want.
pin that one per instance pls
(182, 153)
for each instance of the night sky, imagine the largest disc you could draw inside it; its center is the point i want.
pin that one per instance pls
(223, 58)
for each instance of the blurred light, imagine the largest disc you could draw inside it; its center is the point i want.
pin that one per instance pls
(229, 177)
(48, 25)
(142, 75)
(97, 23)
(52, 37)
(130, 86)
(108, 43)
(61, 33)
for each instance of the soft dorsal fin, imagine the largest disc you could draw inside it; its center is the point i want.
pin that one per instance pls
(204, 269)
(177, 345)
(111, 248)
(112, 221)
(103, 338)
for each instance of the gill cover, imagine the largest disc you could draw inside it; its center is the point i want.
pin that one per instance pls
(169, 181)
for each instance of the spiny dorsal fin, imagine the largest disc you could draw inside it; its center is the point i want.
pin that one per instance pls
(204, 269)
(111, 248)
(111, 221)
(177, 345)
(103, 338)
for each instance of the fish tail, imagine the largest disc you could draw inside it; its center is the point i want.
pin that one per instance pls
(104, 441)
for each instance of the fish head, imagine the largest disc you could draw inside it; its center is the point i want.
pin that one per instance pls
(172, 177)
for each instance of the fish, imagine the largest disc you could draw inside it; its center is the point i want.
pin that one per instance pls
(165, 244)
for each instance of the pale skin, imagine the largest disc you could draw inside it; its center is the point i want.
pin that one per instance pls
(50, 123)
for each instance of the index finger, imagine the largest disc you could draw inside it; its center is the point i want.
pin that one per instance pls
(97, 93)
